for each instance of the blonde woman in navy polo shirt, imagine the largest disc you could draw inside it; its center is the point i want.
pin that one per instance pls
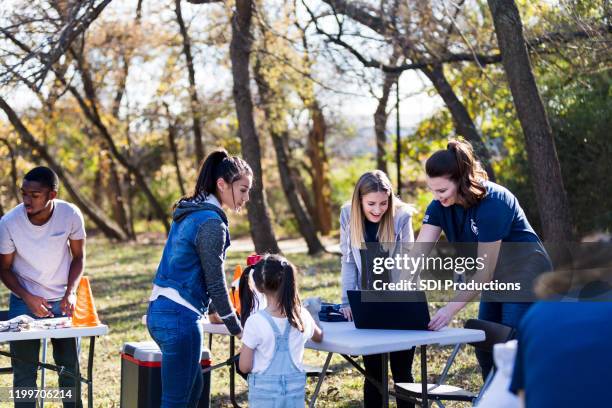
(469, 208)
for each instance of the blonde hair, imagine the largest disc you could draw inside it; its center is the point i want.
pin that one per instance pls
(373, 182)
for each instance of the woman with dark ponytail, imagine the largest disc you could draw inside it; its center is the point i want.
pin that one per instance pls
(469, 208)
(274, 338)
(191, 274)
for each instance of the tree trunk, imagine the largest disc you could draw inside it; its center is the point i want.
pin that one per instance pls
(305, 224)
(120, 214)
(116, 198)
(303, 191)
(315, 149)
(461, 117)
(240, 49)
(14, 188)
(380, 122)
(553, 204)
(193, 92)
(107, 226)
(98, 181)
(175, 154)
(128, 187)
(279, 133)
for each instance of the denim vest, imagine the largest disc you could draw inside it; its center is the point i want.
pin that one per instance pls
(180, 267)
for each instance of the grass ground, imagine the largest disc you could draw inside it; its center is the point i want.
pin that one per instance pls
(121, 276)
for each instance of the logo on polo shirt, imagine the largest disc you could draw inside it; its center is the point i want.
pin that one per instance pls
(426, 218)
(473, 226)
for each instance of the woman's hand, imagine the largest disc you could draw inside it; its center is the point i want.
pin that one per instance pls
(214, 318)
(346, 311)
(443, 316)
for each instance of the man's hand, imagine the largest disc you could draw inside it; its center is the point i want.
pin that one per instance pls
(38, 306)
(67, 304)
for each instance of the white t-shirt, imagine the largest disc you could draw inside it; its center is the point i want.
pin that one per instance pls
(259, 336)
(42, 255)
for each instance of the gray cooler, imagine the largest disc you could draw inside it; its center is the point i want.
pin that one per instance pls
(141, 376)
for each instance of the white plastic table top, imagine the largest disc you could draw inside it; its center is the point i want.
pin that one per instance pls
(344, 338)
(54, 333)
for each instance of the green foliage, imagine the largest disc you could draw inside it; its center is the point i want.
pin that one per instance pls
(344, 174)
(584, 146)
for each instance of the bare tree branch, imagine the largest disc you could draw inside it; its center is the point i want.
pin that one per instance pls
(364, 15)
(81, 15)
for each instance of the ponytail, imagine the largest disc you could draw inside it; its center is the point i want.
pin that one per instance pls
(458, 163)
(274, 274)
(218, 164)
(248, 299)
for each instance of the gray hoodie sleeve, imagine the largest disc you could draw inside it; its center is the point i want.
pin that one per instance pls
(210, 241)
(349, 271)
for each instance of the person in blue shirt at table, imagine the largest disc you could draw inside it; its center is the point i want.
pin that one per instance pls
(575, 371)
(380, 220)
(191, 273)
(469, 208)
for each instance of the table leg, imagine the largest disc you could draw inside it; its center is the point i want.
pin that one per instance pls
(232, 378)
(313, 399)
(77, 384)
(424, 402)
(43, 372)
(385, 379)
(92, 345)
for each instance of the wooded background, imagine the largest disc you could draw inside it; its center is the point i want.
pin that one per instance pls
(124, 100)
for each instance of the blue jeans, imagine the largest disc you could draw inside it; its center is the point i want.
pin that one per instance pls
(178, 333)
(25, 372)
(509, 314)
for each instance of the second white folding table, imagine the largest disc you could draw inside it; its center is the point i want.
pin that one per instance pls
(344, 339)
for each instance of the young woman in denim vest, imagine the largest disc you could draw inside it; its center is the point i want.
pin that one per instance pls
(191, 274)
(274, 338)
(384, 223)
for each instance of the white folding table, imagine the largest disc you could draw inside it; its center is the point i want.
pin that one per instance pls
(344, 339)
(61, 333)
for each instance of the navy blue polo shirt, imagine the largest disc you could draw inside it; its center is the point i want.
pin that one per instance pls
(564, 356)
(498, 216)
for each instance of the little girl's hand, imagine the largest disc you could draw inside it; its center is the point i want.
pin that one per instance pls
(346, 311)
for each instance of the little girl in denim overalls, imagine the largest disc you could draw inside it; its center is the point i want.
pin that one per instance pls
(269, 353)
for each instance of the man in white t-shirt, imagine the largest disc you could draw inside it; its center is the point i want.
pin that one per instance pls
(42, 256)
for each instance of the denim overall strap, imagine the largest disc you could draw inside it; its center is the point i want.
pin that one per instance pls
(282, 362)
(282, 384)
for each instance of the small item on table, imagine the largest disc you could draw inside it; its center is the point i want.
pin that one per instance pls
(330, 312)
(53, 323)
(16, 324)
